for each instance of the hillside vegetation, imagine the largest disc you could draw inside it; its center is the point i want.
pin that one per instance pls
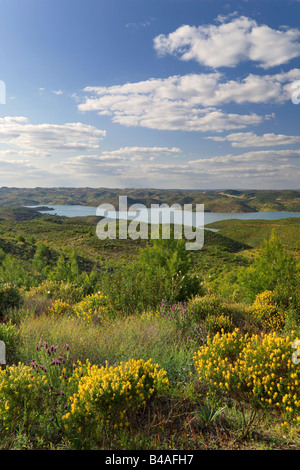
(141, 344)
(214, 201)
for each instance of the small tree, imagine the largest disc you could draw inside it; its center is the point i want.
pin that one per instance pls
(271, 269)
(41, 260)
(13, 272)
(60, 271)
(171, 256)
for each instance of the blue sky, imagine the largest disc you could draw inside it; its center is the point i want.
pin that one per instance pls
(193, 94)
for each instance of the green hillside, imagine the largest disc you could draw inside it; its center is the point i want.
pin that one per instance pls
(253, 232)
(214, 200)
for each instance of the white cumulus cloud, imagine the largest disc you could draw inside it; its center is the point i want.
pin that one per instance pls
(189, 102)
(228, 43)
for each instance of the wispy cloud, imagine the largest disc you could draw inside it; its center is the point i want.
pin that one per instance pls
(122, 156)
(74, 136)
(250, 139)
(120, 166)
(141, 24)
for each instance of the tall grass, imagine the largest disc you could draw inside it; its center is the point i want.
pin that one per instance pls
(137, 337)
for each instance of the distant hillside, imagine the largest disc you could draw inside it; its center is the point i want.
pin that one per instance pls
(214, 201)
(18, 213)
(253, 232)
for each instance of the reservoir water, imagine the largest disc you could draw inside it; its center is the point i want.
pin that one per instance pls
(144, 215)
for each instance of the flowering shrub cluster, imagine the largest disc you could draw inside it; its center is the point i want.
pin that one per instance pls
(20, 390)
(215, 323)
(266, 311)
(51, 396)
(91, 308)
(50, 289)
(36, 394)
(253, 369)
(105, 394)
(59, 307)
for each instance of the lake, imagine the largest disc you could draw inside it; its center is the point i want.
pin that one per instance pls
(143, 215)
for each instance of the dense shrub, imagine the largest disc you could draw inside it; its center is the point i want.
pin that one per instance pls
(21, 396)
(171, 256)
(213, 304)
(135, 287)
(271, 269)
(267, 312)
(215, 323)
(12, 271)
(106, 395)
(10, 297)
(34, 397)
(59, 307)
(252, 369)
(57, 290)
(91, 308)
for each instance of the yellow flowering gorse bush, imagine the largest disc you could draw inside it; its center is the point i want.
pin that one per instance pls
(106, 394)
(266, 311)
(20, 390)
(59, 307)
(91, 307)
(254, 369)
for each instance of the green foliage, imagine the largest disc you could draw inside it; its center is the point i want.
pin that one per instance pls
(134, 288)
(41, 259)
(13, 272)
(272, 268)
(213, 304)
(10, 298)
(215, 323)
(218, 201)
(168, 254)
(71, 292)
(171, 257)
